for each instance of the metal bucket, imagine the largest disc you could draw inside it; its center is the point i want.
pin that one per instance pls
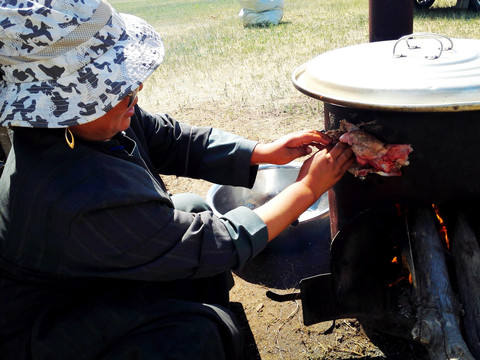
(301, 250)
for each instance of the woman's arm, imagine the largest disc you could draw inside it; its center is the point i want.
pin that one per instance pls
(318, 174)
(289, 147)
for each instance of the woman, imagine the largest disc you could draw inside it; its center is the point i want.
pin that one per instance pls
(97, 260)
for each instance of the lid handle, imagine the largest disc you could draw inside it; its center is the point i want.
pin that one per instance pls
(416, 36)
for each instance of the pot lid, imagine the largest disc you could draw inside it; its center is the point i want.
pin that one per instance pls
(419, 72)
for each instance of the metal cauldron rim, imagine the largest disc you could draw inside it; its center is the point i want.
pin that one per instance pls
(319, 209)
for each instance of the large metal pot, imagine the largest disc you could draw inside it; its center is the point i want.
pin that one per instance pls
(422, 90)
(419, 72)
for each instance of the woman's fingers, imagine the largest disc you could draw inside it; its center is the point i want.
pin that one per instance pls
(340, 157)
(338, 150)
(309, 137)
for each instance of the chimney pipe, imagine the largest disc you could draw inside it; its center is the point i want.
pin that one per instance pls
(390, 19)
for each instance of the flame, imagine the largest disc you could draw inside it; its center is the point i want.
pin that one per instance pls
(397, 281)
(401, 278)
(400, 209)
(442, 228)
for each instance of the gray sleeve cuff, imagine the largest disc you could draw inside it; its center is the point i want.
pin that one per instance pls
(229, 156)
(248, 231)
(244, 156)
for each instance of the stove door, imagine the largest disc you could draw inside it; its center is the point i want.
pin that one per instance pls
(366, 277)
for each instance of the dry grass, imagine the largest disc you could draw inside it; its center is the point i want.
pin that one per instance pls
(214, 63)
(216, 72)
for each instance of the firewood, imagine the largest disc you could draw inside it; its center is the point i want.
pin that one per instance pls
(466, 257)
(438, 311)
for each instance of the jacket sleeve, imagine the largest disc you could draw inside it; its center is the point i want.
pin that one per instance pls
(197, 152)
(139, 236)
(152, 241)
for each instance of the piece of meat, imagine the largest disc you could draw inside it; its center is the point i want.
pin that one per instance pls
(373, 155)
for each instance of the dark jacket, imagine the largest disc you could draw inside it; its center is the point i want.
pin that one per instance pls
(101, 213)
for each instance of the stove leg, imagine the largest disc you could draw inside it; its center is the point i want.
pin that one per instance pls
(437, 326)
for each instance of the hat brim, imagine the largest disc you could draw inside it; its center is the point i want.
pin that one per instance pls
(89, 92)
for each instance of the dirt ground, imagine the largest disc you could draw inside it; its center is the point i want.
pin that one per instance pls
(278, 331)
(275, 330)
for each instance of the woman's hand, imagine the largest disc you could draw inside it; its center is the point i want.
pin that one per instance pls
(323, 169)
(317, 174)
(289, 147)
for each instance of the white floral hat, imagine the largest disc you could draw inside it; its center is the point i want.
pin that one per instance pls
(68, 62)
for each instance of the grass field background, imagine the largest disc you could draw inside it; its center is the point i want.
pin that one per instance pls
(212, 60)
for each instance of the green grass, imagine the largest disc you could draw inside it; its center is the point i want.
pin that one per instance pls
(213, 62)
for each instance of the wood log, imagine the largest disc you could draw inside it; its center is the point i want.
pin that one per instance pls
(466, 257)
(437, 326)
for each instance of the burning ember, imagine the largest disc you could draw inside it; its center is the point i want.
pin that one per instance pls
(442, 227)
(404, 277)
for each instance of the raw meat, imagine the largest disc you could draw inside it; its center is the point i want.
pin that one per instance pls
(373, 155)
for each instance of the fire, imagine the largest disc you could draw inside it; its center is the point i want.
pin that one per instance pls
(405, 274)
(399, 262)
(399, 280)
(442, 228)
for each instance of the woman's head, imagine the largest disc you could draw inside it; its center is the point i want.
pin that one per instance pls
(68, 62)
(115, 120)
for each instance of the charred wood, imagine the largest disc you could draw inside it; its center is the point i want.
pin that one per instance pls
(466, 256)
(438, 311)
